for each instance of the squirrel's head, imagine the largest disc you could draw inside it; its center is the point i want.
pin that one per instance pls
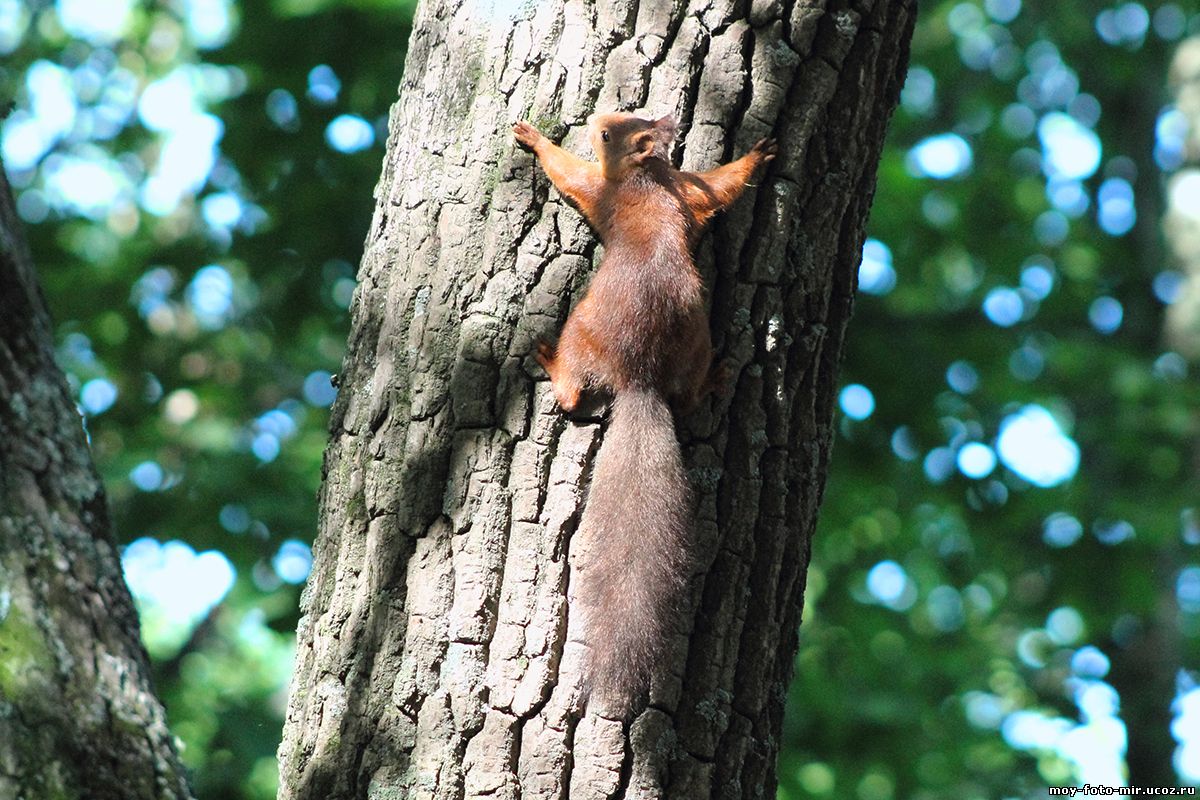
(623, 142)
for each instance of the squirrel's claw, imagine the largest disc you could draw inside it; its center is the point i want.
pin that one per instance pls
(525, 133)
(544, 355)
(767, 149)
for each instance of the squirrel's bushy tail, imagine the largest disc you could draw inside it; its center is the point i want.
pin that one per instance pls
(637, 522)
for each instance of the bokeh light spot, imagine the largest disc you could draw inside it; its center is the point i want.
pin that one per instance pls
(1070, 151)
(293, 561)
(962, 377)
(1003, 11)
(940, 464)
(97, 395)
(875, 273)
(1113, 532)
(886, 582)
(976, 460)
(856, 401)
(349, 134)
(1061, 530)
(318, 389)
(1187, 589)
(147, 476)
(1032, 444)
(183, 584)
(1003, 306)
(323, 85)
(1089, 662)
(210, 294)
(209, 22)
(181, 406)
(96, 21)
(943, 156)
(945, 609)
(1038, 279)
(920, 91)
(1065, 625)
(1117, 213)
(1106, 314)
(234, 518)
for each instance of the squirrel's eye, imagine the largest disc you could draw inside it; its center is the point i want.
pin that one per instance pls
(604, 135)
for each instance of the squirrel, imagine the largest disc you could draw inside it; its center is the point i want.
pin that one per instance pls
(641, 334)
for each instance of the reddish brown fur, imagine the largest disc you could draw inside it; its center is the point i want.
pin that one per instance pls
(642, 334)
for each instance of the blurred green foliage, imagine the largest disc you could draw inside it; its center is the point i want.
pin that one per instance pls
(214, 439)
(1024, 613)
(968, 632)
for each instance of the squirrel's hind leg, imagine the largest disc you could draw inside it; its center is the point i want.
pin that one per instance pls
(577, 362)
(707, 377)
(699, 375)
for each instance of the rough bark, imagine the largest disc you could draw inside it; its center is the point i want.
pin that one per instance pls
(78, 718)
(437, 655)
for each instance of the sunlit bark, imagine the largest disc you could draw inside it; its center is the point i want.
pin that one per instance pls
(437, 654)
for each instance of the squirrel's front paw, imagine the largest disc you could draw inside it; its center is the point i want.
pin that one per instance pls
(765, 149)
(526, 134)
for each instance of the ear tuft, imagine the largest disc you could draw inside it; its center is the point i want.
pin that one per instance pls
(665, 129)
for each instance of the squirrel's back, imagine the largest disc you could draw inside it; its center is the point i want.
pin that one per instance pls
(648, 290)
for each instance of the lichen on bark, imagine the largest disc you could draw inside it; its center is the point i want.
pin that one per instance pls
(78, 718)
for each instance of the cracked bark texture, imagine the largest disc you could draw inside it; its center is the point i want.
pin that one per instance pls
(437, 654)
(78, 718)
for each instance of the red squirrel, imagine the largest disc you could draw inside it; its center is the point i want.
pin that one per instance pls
(640, 333)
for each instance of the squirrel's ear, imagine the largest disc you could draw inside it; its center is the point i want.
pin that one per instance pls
(644, 146)
(665, 130)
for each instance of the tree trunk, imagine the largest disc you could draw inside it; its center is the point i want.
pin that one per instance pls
(437, 654)
(78, 718)
(1180, 225)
